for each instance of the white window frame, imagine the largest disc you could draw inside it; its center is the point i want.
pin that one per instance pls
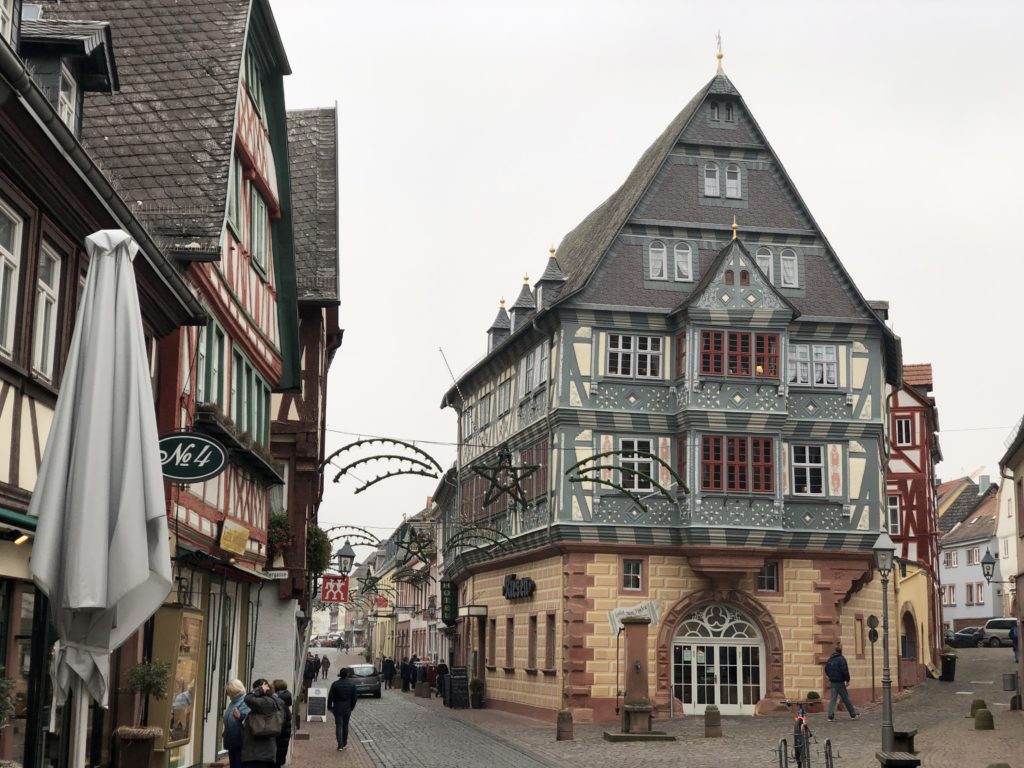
(949, 595)
(628, 355)
(620, 355)
(733, 182)
(894, 514)
(534, 369)
(467, 423)
(715, 114)
(808, 467)
(1006, 547)
(645, 464)
(949, 559)
(904, 430)
(969, 593)
(823, 359)
(798, 363)
(201, 363)
(7, 19)
(790, 278)
(711, 186)
(766, 262)
(44, 339)
(259, 230)
(973, 555)
(657, 261)
(10, 265)
(632, 574)
(979, 593)
(67, 106)
(683, 258)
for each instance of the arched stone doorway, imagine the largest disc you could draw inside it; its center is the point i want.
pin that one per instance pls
(718, 647)
(911, 670)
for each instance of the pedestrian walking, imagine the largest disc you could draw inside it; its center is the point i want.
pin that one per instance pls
(838, 673)
(308, 674)
(259, 745)
(341, 700)
(387, 671)
(404, 671)
(325, 665)
(234, 714)
(282, 692)
(317, 664)
(1015, 640)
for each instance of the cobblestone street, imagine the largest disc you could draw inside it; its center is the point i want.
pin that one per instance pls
(399, 730)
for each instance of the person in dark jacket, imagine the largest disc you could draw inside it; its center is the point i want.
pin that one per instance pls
(341, 700)
(387, 671)
(406, 674)
(260, 751)
(308, 673)
(838, 674)
(282, 692)
(325, 665)
(234, 714)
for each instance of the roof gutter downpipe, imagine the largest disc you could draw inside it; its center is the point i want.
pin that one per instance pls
(13, 70)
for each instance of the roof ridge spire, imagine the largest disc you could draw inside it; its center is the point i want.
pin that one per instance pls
(735, 227)
(719, 55)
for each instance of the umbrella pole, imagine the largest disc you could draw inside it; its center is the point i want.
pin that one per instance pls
(81, 720)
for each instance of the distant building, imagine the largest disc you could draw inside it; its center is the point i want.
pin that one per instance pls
(967, 599)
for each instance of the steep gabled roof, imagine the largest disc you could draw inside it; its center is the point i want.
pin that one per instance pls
(172, 123)
(964, 505)
(313, 155)
(980, 525)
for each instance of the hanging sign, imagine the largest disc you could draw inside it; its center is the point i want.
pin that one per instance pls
(188, 457)
(380, 601)
(449, 603)
(334, 589)
(234, 537)
(514, 589)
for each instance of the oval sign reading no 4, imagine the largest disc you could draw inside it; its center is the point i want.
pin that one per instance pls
(188, 457)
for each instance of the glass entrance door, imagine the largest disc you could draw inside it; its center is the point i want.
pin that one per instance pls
(728, 676)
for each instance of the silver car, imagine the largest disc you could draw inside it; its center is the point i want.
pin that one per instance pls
(997, 631)
(366, 679)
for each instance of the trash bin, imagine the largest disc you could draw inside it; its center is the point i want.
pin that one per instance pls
(948, 668)
(1009, 681)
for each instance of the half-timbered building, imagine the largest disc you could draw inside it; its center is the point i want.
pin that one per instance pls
(52, 196)
(197, 139)
(913, 522)
(694, 398)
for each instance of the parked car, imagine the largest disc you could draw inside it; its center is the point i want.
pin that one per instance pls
(997, 631)
(968, 637)
(366, 679)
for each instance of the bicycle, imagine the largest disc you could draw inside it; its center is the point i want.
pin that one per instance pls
(802, 740)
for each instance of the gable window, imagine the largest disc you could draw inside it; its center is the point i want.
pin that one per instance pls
(658, 261)
(949, 559)
(10, 250)
(235, 194)
(737, 463)
(714, 110)
(684, 262)
(252, 81)
(6, 19)
(711, 180)
(729, 114)
(823, 372)
(504, 397)
(732, 172)
(45, 334)
(893, 515)
(768, 578)
(974, 556)
(730, 277)
(808, 470)
(765, 347)
(766, 263)
(635, 456)
(639, 356)
(744, 277)
(904, 432)
(790, 275)
(67, 97)
(259, 223)
(632, 573)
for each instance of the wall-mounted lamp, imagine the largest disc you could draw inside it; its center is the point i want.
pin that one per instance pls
(21, 539)
(636, 665)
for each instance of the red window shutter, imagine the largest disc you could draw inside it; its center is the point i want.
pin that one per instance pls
(680, 355)
(736, 465)
(711, 463)
(762, 465)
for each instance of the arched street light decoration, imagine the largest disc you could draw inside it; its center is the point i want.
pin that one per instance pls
(476, 537)
(505, 477)
(420, 463)
(412, 576)
(589, 472)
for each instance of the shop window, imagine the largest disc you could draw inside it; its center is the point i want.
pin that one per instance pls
(549, 642)
(510, 644)
(531, 654)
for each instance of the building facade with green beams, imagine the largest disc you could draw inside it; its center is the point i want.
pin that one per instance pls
(694, 396)
(198, 139)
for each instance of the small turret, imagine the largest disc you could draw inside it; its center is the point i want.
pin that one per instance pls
(550, 284)
(500, 328)
(524, 307)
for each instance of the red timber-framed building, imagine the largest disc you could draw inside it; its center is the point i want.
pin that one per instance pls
(913, 522)
(198, 141)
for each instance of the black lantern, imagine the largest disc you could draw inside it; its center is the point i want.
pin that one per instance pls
(884, 550)
(346, 555)
(988, 565)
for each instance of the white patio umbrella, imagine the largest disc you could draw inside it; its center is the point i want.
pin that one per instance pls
(101, 553)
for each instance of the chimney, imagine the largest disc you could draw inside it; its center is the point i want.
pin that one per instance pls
(983, 483)
(524, 307)
(500, 328)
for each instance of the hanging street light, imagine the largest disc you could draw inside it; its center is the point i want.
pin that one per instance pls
(884, 551)
(346, 556)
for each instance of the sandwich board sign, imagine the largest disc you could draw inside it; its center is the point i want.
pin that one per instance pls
(316, 705)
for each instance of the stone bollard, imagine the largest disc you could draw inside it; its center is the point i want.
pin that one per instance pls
(976, 705)
(563, 731)
(1015, 702)
(998, 765)
(712, 722)
(983, 720)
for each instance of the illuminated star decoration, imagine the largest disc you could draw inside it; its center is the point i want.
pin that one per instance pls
(505, 478)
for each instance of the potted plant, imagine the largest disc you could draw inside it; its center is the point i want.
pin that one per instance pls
(814, 703)
(279, 537)
(135, 743)
(476, 693)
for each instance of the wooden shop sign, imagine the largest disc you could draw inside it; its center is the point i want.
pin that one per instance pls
(516, 589)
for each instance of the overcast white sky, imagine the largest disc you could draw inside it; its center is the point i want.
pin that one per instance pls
(474, 134)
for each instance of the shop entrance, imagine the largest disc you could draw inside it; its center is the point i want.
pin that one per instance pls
(718, 658)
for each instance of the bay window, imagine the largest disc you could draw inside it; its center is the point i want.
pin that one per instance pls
(739, 354)
(813, 365)
(634, 456)
(737, 463)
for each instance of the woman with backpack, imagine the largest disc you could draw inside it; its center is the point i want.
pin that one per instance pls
(261, 726)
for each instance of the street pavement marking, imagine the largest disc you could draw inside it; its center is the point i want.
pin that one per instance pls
(983, 682)
(964, 693)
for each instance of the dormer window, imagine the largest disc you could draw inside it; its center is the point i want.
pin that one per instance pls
(67, 99)
(658, 267)
(766, 263)
(732, 181)
(790, 274)
(711, 180)
(714, 110)
(729, 114)
(6, 18)
(684, 262)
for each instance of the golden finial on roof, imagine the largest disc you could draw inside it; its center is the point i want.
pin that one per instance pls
(719, 55)
(735, 226)
(526, 279)
(551, 251)
(502, 302)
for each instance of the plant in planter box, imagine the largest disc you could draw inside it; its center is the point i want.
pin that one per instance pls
(279, 534)
(814, 703)
(135, 743)
(476, 693)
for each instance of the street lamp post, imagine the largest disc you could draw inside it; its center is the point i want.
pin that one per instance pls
(884, 551)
